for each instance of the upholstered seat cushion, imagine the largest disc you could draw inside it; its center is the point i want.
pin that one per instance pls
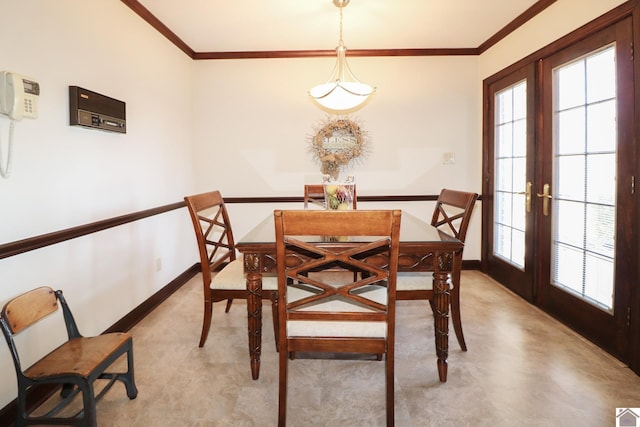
(336, 304)
(232, 277)
(415, 281)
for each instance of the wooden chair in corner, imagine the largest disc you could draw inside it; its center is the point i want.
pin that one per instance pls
(451, 215)
(74, 366)
(318, 313)
(223, 275)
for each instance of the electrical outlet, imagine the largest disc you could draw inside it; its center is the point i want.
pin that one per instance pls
(158, 264)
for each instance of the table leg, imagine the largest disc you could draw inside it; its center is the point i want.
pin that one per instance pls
(440, 308)
(254, 312)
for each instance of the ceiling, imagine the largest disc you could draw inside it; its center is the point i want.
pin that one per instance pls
(302, 25)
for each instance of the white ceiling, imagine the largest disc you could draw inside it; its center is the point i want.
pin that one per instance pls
(275, 25)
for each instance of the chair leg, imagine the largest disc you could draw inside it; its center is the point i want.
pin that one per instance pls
(129, 379)
(89, 405)
(457, 321)
(21, 407)
(455, 314)
(228, 307)
(389, 378)
(206, 322)
(274, 312)
(282, 388)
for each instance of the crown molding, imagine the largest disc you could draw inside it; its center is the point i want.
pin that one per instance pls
(152, 20)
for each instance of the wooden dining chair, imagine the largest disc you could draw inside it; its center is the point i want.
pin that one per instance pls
(74, 366)
(451, 215)
(223, 275)
(318, 313)
(314, 195)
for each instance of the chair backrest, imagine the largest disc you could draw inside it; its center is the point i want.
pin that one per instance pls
(308, 242)
(29, 308)
(314, 194)
(213, 231)
(453, 212)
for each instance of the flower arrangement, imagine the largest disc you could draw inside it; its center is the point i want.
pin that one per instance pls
(339, 195)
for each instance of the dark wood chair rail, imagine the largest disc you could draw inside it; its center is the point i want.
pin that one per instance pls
(31, 243)
(37, 242)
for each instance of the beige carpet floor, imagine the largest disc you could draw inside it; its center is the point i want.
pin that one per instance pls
(523, 368)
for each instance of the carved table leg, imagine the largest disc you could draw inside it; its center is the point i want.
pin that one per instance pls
(254, 312)
(440, 308)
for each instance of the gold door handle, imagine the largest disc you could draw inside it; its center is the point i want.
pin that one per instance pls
(527, 196)
(545, 199)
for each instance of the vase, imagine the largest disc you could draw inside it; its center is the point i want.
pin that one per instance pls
(338, 195)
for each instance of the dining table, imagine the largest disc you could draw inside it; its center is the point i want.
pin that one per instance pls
(423, 248)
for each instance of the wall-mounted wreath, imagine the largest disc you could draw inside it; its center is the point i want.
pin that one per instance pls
(337, 143)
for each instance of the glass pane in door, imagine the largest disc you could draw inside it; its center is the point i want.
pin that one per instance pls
(510, 148)
(584, 165)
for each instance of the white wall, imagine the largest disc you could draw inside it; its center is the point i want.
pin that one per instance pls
(258, 113)
(263, 118)
(66, 176)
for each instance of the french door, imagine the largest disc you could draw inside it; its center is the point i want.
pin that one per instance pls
(559, 185)
(509, 241)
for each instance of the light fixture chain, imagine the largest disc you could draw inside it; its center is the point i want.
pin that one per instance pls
(341, 42)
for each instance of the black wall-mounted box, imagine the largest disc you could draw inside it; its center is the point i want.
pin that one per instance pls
(90, 109)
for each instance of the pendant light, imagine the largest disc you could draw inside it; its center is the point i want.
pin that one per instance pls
(342, 91)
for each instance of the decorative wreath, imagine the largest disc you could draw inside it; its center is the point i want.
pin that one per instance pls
(338, 142)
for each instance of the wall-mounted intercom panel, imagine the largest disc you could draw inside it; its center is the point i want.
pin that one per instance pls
(18, 96)
(91, 109)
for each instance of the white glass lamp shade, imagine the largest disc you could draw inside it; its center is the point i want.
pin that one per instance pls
(341, 95)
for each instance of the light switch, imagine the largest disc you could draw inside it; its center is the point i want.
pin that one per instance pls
(449, 158)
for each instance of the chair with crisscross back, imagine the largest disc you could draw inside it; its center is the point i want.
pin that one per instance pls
(451, 216)
(217, 250)
(319, 313)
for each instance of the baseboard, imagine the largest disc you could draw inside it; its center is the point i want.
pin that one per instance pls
(471, 264)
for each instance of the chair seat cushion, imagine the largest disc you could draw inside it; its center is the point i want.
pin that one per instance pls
(232, 277)
(309, 328)
(415, 281)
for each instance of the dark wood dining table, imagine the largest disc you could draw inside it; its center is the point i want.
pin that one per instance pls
(422, 248)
